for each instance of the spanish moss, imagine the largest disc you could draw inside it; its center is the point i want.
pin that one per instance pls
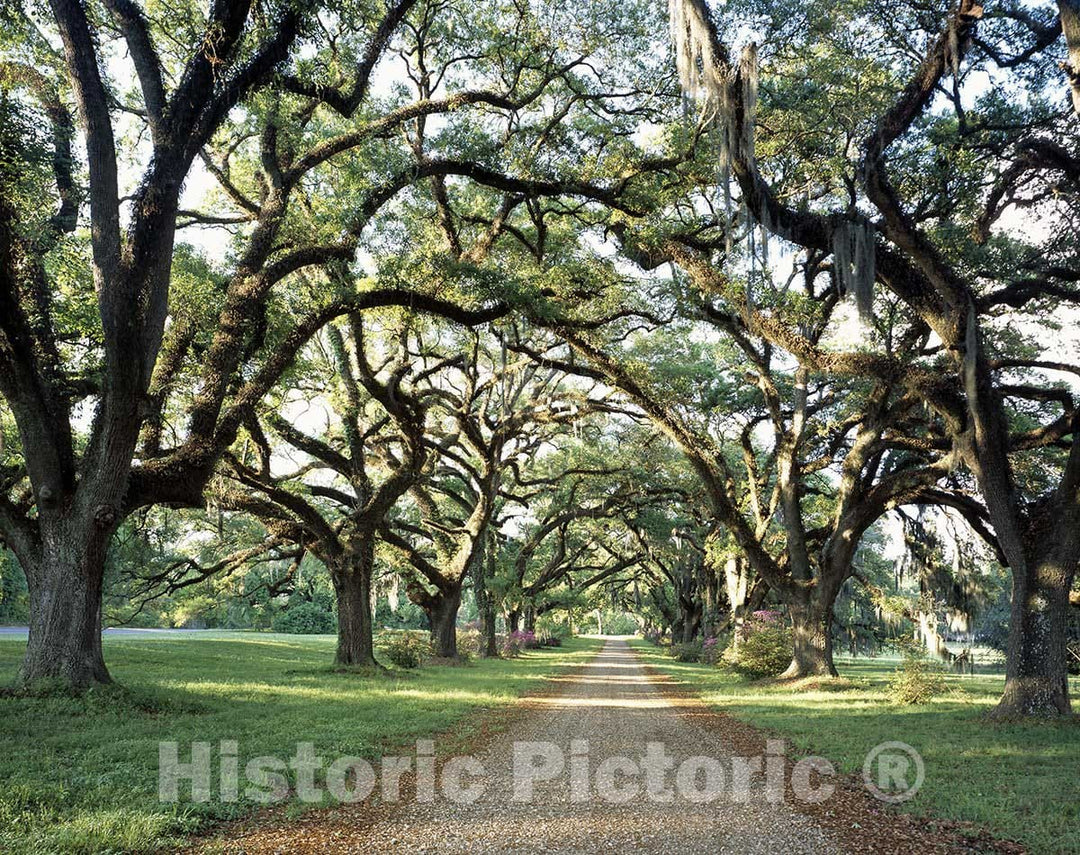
(853, 256)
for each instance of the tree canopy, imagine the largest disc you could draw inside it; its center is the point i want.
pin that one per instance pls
(531, 308)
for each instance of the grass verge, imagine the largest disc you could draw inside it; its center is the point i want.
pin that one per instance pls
(80, 774)
(1017, 780)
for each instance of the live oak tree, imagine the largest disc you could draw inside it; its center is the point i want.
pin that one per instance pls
(842, 455)
(374, 451)
(61, 526)
(557, 532)
(383, 443)
(674, 585)
(565, 510)
(943, 246)
(561, 557)
(770, 489)
(673, 547)
(499, 411)
(90, 323)
(642, 528)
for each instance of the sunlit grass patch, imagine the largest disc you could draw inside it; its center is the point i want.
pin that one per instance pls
(110, 830)
(79, 773)
(1020, 780)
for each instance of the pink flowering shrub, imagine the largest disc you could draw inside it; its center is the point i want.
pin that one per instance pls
(517, 641)
(710, 650)
(763, 616)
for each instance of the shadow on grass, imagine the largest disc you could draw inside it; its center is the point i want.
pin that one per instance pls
(80, 773)
(1015, 778)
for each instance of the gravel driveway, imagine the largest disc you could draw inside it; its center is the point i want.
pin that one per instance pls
(614, 705)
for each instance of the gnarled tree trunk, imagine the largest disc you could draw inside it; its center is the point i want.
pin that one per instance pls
(352, 585)
(1042, 544)
(1036, 677)
(690, 620)
(812, 654)
(64, 583)
(442, 613)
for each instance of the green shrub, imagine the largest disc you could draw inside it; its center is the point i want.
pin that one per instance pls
(14, 598)
(619, 623)
(469, 643)
(689, 651)
(764, 647)
(405, 649)
(916, 680)
(550, 633)
(304, 618)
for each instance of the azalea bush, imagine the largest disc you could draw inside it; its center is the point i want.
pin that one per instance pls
(764, 647)
(689, 651)
(515, 642)
(528, 640)
(405, 649)
(711, 650)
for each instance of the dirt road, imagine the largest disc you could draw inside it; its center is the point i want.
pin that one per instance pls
(612, 709)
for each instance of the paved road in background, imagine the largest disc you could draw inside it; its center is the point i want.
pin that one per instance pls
(119, 630)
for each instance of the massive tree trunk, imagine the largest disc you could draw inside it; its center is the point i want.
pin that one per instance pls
(489, 647)
(690, 620)
(65, 639)
(1042, 542)
(810, 601)
(65, 609)
(513, 620)
(485, 603)
(442, 613)
(811, 630)
(1036, 677)
(352, 585)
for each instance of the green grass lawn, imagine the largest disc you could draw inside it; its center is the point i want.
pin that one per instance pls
(1022, 781)
(81, 774)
